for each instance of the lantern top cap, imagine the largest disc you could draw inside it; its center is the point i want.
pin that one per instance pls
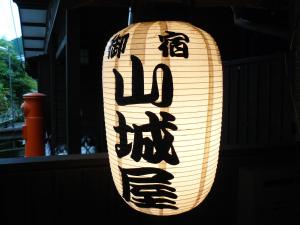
(155, 21)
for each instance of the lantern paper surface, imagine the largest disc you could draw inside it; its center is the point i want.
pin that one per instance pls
(162, 90)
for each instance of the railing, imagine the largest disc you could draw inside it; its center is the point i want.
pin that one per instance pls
(11, 142)
(5, 119)
(258, 109)
(11, 114)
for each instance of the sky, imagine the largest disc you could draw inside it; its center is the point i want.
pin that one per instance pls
(7, 15)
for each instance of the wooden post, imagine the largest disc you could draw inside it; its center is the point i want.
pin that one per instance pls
(72, 82)
(295, 48)
(51, 57)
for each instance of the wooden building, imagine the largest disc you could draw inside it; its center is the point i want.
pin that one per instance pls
(258, 174)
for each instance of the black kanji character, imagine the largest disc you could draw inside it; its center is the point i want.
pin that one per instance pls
(118, 45)
(138, 96)
(123, 149)
(174, 44)
(153, 151)
(148, 191)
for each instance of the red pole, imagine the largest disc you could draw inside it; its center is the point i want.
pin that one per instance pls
(33, 129)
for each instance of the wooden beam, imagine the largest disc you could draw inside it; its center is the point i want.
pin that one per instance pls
(54, 8)
(32, 4)
(33, 38)
(8, 134)
(33, 24)
(52, 162)
(34, 49)
(210, 3)
(194, 3)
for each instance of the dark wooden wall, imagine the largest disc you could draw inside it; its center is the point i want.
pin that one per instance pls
(79, 189)
(93, 39)
(258, 108)
(59, 106)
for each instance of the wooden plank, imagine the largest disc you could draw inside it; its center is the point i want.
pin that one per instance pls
(243, 104)
(12, 152)
(14, 196)
(11, 137)
(96, 197)
(30, 164)
(233, 112)
(60, 105)
(10, 134)
(263, 103)
(68, 197)
(275, 102)
(226, 105)
(289, 116)
(252, 106)
(42, 203)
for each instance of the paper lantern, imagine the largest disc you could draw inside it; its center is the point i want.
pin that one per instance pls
(162, 90)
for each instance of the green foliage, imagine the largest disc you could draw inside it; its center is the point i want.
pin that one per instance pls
(3, 99)
(21, 82)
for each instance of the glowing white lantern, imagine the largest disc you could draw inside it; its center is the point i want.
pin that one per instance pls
(162, 88)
